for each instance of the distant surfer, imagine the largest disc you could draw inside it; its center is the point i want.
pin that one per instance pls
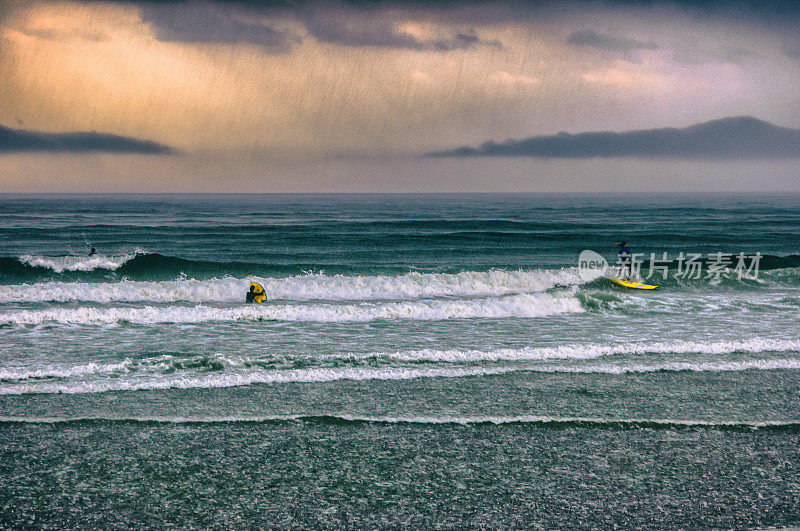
(93, 252)
(624, 255)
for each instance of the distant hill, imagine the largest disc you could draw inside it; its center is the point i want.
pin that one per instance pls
(19, 140)
(727, 138)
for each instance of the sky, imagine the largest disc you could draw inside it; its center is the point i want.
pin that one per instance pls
(399, 96)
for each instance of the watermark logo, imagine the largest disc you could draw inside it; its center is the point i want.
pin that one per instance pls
(591, 265)
(687, 266)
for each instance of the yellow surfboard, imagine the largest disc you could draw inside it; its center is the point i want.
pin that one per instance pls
(631, 284)
(260, 294)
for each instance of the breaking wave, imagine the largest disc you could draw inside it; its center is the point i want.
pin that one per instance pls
(524, 305)
(585, 352)
(60, 264)
(139, 266)
(169, 363)
(315, 286)
(153, 266)
(316, 375)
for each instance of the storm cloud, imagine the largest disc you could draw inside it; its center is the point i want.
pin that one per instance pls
(18, 140)
(358, 23)
(216, 24)
(260, 24)
(380, 29)
(740, 137)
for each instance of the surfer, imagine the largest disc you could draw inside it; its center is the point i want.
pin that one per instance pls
(256, 293)
(251, 295)
(625, 275)
(93, 252)
(624, 256)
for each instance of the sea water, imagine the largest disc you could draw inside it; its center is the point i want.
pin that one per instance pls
(422, 360)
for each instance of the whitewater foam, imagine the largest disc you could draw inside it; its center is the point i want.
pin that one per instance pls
(526, 305)
(21, 373)
(318, 375)
(59, 264)
(308, 287)
(169, 363)
(591, 351)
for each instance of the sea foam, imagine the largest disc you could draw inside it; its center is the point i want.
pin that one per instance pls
(525, 305)
(59, 264)
(316, 375)
(299, 288)
(170, 363)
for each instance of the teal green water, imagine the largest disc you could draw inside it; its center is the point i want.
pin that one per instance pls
(422, 360)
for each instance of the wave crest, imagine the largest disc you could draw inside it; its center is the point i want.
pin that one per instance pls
(153, 266)
(307, 287)
(59, 264)
(169, 363)
(317, 375)
(525, 306)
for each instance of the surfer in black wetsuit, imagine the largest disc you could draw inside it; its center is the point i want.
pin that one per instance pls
(93, 252)
(624, 255)
(251, 295)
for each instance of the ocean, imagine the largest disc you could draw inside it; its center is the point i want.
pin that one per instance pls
(422, 360)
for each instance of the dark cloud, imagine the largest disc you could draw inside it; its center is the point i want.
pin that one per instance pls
(217, 23)
(345, 23)
(19, 140)
(729, 138)
(371, 28)
(368, 22)
(602, 41)
(772, 12)
(254, 23)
